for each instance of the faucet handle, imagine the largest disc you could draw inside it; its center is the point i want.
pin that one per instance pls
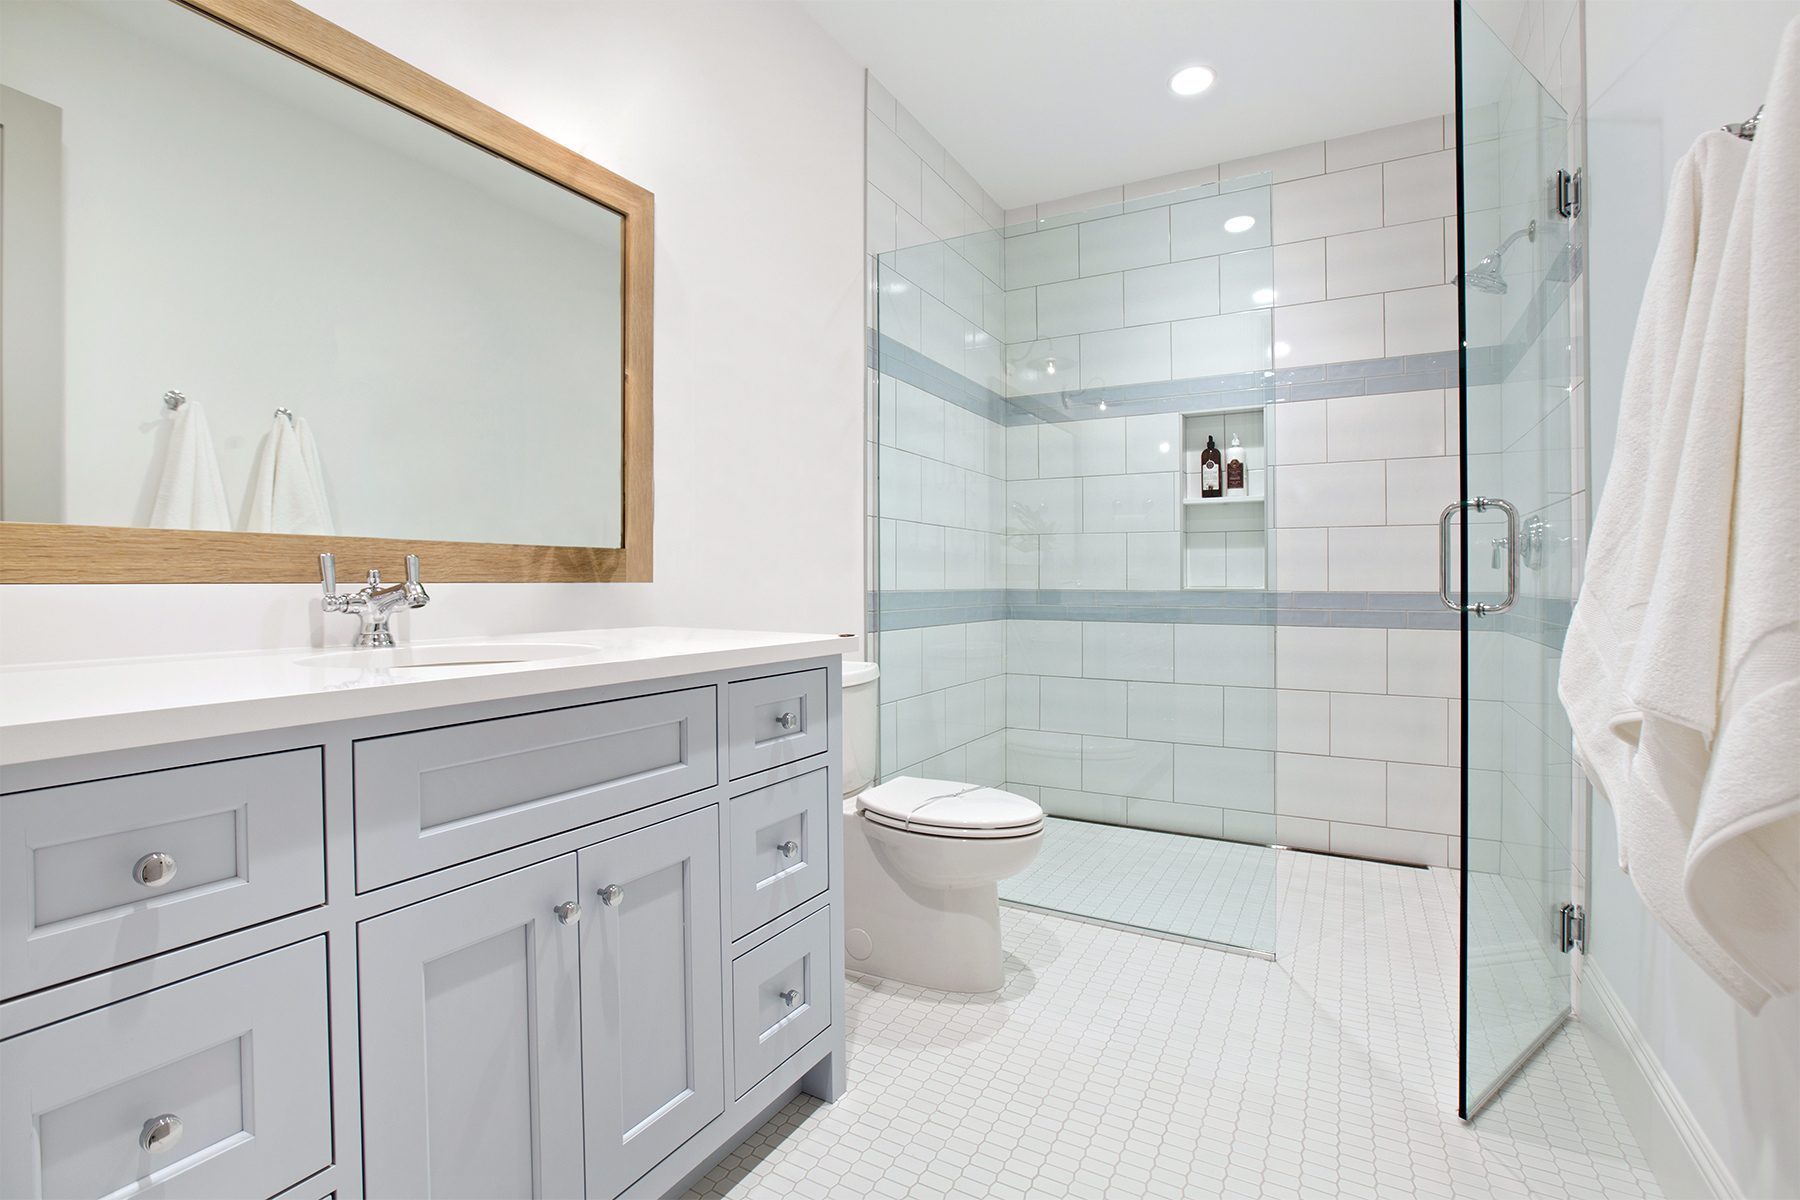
(328, 574)
(412, 569)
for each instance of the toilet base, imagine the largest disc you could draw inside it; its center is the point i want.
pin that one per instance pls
(945, 938)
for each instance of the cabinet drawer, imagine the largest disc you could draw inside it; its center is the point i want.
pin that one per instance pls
(776, 850)
(780, 998)
(235, 1061)
(244, 838)
(778, 719)
(441, 796)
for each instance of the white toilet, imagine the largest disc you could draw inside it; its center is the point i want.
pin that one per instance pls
(922, 861)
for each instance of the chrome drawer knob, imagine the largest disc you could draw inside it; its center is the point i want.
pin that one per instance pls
(789, 848)
(611, 894)
(154, 870)
(788, 720)
(788, 997)
(568, 912)
(160, 1133)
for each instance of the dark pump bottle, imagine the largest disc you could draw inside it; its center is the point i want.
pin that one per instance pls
(1210, 480)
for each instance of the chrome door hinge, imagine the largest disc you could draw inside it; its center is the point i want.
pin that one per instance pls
(1568, 195)
(1574, 928)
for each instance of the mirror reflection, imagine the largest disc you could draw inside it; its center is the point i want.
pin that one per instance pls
(240, 294)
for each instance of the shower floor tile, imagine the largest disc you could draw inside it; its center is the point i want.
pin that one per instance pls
(1189, 886)
(1117, 1064)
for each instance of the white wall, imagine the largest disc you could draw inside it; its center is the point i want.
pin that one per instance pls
(1660, 74)
(746, 122)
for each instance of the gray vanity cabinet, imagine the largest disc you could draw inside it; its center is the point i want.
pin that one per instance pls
(652, 996)
(574, 944)
(471, 1041)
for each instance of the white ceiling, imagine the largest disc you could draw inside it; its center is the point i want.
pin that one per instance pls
(1041, 99)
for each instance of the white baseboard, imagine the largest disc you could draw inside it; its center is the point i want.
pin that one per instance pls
(1606, 1009)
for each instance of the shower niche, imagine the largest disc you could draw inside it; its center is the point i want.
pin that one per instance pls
(1225, 539)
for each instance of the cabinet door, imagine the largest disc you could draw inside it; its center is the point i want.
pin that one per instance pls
(471, 1042)
(653, 1063)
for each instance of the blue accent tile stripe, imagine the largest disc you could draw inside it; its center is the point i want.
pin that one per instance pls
(1366, 610)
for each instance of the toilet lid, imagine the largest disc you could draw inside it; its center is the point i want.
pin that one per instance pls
(949, 809)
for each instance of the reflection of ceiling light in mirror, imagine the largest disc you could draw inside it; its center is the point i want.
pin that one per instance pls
(1242, 223)
(1191, 81)
(1162, 448)
(1281, 349)
(1103, 406)
(1263, 296)
(1049, 366)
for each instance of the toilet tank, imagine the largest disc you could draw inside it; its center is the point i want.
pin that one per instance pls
(862, 725)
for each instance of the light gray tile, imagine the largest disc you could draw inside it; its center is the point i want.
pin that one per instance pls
(1420, 187)
(1326, 204)
(1123, 650)
(1225, 777)
(1043, 647)
(1095, 706)
(1330, 331)
(1122, 356)
(1135, 239)
(1331, 659)
(1197, 228)
(1042, 257)
(1123, 767)
(1399, 728)
(1129, 503)
(1080, 306)
(1323, 494)
(1385, 260)
(1177, 712)
(1222, 345)
(1172, 292)
(1238, 655)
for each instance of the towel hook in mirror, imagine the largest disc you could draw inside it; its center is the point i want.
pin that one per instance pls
(173, 399)
(288, 413)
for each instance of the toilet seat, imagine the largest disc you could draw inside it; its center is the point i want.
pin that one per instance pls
(942, 808)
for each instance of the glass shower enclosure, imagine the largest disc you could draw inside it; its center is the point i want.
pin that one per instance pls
(1063, 603)
(1512, 538)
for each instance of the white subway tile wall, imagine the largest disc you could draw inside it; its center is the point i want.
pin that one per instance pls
(1335, 251)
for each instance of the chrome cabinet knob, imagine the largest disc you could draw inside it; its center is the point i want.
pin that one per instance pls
(789, 848)
(154, 869)
(160, 1133)
(788, 997)
(611, 894)
(788, 720)
(568, 912)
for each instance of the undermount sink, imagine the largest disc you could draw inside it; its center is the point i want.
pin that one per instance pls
(466, 654)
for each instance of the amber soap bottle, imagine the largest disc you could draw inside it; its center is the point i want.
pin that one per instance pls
(1210, 478)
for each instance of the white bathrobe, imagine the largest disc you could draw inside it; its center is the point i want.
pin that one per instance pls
(1682, 670)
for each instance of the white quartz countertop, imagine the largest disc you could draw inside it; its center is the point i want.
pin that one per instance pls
(55, 710)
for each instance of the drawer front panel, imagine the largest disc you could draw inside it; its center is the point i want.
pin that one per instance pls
(240, 841)
(776, 720)
(215, 1086)
(777, 849)
(780, 998)
(443, 796)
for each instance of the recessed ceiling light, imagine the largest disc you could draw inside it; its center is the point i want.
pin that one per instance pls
(1242, 223)
(1263, 296)
(1191, 81)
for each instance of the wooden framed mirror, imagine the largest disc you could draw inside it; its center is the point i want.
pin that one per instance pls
(238, 209)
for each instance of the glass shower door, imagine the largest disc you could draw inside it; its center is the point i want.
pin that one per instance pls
(1509, 571)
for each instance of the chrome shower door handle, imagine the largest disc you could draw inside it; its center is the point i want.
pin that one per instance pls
(1510, 542)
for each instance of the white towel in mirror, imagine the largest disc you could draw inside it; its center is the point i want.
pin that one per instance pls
(190, 494)
(288, 494)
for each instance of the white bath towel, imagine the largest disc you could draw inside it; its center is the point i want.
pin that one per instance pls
(1689, 628)
(1622, 551)
(190, 494)
(1716, 671)
(286, 495)
(315, 471)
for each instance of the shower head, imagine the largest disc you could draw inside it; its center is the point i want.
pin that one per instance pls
(1485, 276)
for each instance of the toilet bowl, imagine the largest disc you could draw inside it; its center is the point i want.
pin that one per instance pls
(923, 859)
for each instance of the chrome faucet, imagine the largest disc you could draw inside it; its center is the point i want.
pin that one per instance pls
(374, 603)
